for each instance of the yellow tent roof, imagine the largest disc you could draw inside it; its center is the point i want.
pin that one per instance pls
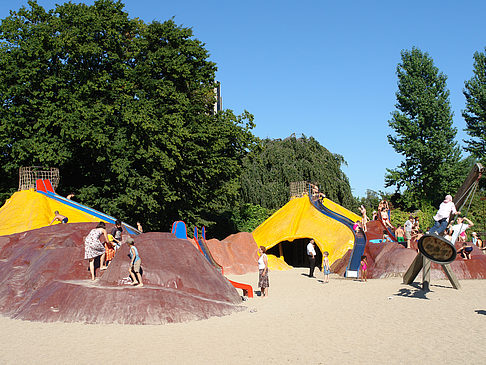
(28, 209)
(300, 219)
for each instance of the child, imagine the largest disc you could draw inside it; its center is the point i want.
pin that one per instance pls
(465, 251)
(364, 218)
(325, 266)
(116, 233)
(109, 250)
(356, 226)
(363, 269)
(135, 263)
(400, 235)
(386, 237)
(58, 217)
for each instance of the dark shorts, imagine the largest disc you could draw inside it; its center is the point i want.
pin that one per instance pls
(65, 220)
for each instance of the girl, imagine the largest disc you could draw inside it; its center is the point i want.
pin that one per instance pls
(325, 266)
(263, 283)
(364, 218)
(363, 269)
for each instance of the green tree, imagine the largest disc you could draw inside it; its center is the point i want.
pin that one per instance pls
(123, 108)
(475, 112)
(269, 171)
(423, 134)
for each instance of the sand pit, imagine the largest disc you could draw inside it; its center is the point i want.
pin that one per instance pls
(302, 322)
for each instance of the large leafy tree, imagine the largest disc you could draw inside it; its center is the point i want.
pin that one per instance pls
(269, 171)
(123, 108)
(475, 112)
(423, 133)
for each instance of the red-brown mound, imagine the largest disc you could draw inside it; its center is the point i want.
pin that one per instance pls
(236, 253)
(391, 259)
(43, 277)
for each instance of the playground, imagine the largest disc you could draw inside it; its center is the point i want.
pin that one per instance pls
(382, 320)
(196, 284)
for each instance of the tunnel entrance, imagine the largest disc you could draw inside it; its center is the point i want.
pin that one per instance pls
(295, 252)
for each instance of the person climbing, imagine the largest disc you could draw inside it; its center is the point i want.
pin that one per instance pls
(135, 263)
(59, 217)
(117, 233)
(446, 208)
(93, 247)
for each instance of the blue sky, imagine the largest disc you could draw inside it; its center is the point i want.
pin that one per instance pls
(325, 69)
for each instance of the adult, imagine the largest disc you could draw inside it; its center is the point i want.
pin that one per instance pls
(408, 230)
(311, 254)
(446, 208)
(460, 227)
(263, 283)
(93, 247)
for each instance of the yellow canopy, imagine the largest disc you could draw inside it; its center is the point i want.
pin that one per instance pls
(300, 219)
(28, 209)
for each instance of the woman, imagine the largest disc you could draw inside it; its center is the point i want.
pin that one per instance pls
(93, 247)
(263, 271)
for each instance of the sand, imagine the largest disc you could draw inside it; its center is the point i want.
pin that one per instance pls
(303, 321)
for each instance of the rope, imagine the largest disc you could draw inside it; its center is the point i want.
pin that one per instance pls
(471, 194)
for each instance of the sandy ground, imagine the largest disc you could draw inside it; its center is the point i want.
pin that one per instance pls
(303, 321)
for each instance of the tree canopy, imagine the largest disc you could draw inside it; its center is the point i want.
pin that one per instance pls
(424, 134)
(268, 172)
(475, 112)
(123, 108)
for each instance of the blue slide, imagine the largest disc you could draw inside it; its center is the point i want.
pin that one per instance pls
(88, 210)
(354, 263)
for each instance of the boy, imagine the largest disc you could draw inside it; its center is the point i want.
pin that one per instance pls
(117, 232)
(135, 263)
(58, 217)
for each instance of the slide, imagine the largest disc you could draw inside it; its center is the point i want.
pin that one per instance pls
(204, 249)
(44, 187)
(299, 219)
(352, 269)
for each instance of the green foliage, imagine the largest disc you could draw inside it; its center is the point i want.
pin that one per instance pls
(247, 217)
(475, 112)
(123, 108)
(424, 134)
(268, 172)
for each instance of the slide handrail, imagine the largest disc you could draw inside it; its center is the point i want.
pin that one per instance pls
(359, 238)
(88, 210)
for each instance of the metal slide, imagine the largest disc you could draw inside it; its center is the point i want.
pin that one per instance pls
(44, 189)
(360, 239)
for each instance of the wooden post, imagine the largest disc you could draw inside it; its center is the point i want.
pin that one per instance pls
(426, 275)
(414, 269)
(451, 276)
(280, 250)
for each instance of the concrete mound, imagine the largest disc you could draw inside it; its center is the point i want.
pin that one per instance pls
(237, 254)
(392, 259)
(43, 277)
